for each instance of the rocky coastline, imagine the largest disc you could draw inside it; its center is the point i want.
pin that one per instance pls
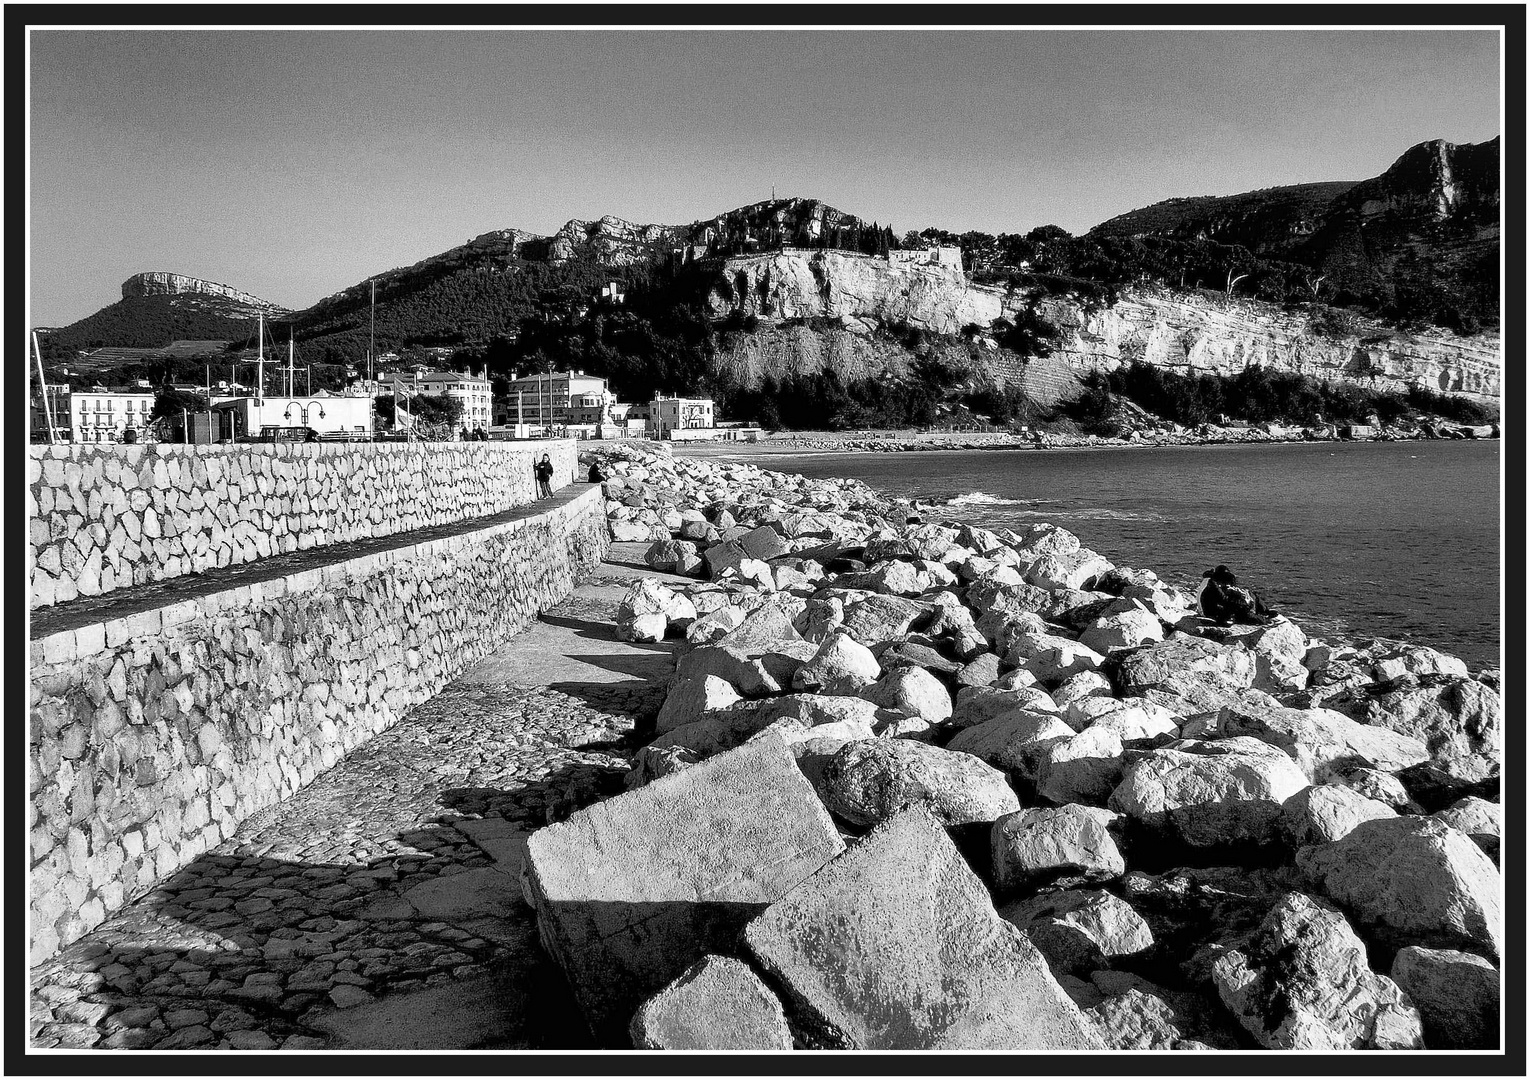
(920, 785)
(1147, 436)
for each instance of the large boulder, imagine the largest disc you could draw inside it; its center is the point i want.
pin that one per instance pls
(691, 699)
(1321, 741)
(650, 597)
(1457, 993)
(868, 782)
(858, 954)
(912, 691)
(1074, 570)
(891, 578)
(1324, 813)
(1131, 719)
(1458, 720)
(718, 1003)
(1139, 1015)
(841, 665)
(666, 555)
(764, 543)
(1051, 657)
(1411, 881)
(1189, 673)
(979, 704)
(1081, 930)
(1477, 818)
(1393, 660)
(631, 891)
(1123, 630)
(1209, 793)
(876, 619)
(752, 673)
(1013, 740)
(1301, 982)
(1083, 768)
(1279, 649)
(767, 625)
(1031, 845)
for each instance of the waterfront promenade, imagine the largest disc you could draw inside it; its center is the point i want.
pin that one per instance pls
(380, 907)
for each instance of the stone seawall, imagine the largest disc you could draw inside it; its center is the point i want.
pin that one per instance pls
(108, 517)
(155, 732)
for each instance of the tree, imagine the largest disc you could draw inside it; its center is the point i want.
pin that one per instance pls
(169, 402)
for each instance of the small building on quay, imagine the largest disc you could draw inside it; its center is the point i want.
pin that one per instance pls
(329, 416)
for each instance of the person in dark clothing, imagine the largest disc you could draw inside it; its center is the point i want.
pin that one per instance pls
(544, 472)
(596, 476)
(1223, 600)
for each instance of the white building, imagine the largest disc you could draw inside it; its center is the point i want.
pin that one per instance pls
(99, 415)
(558, 399)
(678, 413)
(333, 417)
(474, 391)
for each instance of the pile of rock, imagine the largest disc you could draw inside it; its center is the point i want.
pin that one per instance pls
(932, 786)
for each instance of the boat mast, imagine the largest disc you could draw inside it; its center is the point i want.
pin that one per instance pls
(290, 372)
(42, 386)
(260, 358)
(372, 339)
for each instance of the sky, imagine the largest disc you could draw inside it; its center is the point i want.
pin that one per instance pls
(293, 164)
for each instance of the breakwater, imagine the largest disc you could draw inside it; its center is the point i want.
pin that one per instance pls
(1141, 828)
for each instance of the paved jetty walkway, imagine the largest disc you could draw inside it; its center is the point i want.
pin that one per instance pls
(380, 907)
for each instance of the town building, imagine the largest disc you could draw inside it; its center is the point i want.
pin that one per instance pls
(474, 391)
(678, 414)
(97, 415)
(558, 399)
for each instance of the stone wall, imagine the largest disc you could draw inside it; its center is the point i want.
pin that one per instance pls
(105, 517)
(154, 735)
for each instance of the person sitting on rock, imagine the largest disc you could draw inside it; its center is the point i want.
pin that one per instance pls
(596, 476)
(1221, 599)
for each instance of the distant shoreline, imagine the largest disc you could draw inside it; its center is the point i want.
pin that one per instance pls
(815, 443)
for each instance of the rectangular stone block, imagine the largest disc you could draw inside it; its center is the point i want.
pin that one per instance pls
(631, 891)
(896, 945)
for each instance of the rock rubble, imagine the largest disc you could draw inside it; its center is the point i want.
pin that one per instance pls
(1095, 819)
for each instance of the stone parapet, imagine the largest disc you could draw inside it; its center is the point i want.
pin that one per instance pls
(155, 732)
(108, 517)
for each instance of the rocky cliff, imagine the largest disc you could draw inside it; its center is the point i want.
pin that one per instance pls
(1194, 333)
(860, 289)
(1182, 331)
(163, 284)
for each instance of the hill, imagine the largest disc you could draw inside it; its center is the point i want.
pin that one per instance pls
(157, 309)
(787, 301)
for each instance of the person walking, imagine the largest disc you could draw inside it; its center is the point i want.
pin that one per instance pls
(544, 471)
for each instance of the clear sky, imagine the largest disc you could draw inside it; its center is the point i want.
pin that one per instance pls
(293, 164)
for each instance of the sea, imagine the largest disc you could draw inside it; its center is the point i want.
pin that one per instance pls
(1350, 540)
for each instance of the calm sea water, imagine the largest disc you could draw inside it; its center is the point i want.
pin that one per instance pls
(1350, 540)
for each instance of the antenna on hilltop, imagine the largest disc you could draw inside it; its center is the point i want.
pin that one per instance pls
(772, 193)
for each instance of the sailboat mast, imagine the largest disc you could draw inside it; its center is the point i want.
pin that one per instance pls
(260, 358)
(290, 372)
(372, 339)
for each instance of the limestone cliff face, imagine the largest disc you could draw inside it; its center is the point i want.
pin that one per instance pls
(1192, 333)
(611, 241)
(798, 284)
(163, 284)
(1195, 334)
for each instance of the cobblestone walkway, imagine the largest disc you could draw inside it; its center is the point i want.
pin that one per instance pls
(380, 907)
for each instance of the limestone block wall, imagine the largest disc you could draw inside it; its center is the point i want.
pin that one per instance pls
(106, 517)
(153, 736)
